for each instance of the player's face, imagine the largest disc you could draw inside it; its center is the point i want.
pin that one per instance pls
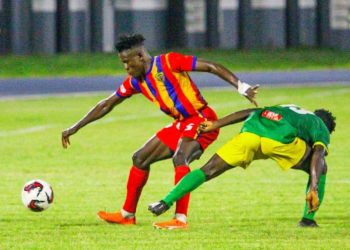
(133, 62)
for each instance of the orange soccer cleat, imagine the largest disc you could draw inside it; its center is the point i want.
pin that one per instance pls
(171, 224)
(116, 218)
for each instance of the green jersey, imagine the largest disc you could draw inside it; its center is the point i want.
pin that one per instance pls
(286, 122)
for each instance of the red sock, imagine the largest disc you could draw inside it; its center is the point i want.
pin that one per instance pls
(137, 179)
(182, 204)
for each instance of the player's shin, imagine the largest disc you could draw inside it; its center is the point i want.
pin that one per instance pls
(321, 189)
(137, 179)
(188, 183)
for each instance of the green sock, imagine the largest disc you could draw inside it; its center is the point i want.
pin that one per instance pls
(188, 183)
(321, 188)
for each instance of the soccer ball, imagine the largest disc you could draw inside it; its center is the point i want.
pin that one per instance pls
(37, 195)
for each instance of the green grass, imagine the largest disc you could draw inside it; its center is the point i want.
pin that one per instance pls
(257, 208)
(109, 64)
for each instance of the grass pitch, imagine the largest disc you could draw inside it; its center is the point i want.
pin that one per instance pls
(242, 209)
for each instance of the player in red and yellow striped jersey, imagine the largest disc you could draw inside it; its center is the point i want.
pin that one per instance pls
(164, 80)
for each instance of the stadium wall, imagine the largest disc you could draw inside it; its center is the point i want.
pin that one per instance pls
(20, 27)
(228, 23)
(3, 29)
(140, 16)
(64, 26)
(43, 26)
(340, 23)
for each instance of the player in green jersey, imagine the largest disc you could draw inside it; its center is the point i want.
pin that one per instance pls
(293, 137)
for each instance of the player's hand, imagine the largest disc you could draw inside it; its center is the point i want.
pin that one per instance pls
(251, 94)
(207, 126)
(65, 136)
(248, 91)
(312, 200)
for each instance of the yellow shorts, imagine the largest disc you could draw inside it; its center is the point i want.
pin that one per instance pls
(246, 147)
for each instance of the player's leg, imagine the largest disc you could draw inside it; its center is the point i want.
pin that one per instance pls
(153, 150)
(308, 219)
(239, 151)
(189, 146)
(213, 168)
(188, 150)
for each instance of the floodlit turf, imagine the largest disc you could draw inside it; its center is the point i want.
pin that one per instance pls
(257, 208)
(109, 64)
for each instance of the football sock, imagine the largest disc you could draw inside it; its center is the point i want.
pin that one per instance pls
(321, 189)
(190, 182)
(181, 217)
(126, 214)
(182, 204)
(137, 179)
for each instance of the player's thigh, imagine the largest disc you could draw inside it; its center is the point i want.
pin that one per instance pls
(153, 150)
(241, 150)
(286, 155)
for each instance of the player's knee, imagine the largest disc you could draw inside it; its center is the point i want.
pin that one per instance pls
(139, 161)
(179, 159)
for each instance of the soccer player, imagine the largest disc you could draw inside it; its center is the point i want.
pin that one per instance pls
(162, 79)
(293, 137)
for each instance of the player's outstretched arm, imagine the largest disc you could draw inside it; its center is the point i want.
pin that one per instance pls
(316, 169)
(243, 88)
(101, 109)
(233, 118)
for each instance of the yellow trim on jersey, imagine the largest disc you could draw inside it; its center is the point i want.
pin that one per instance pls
(246, 147)
(322, 144)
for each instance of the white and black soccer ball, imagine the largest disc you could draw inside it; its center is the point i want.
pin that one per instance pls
(37, 195)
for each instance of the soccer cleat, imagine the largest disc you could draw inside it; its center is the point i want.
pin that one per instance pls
(307, 223)
(116, 218)
(170, 225)
(158, 207)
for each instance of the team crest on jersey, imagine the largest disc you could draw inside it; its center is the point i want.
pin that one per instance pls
(160, 76)
(271, 115)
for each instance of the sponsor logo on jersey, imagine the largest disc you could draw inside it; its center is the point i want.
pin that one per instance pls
(271, 115)
(160, 76)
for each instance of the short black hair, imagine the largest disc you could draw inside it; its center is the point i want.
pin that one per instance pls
(128, 41)
(327, 117)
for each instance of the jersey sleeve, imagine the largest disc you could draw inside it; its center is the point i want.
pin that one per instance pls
(179, 62)
(128, 88)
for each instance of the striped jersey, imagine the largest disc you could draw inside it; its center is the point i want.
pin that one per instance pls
(168, 85)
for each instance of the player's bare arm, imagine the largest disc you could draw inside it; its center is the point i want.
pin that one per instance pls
(243, 88)
(101, 109)
(317, 167)
(233, 118)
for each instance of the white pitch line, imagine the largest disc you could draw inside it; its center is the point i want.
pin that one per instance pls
(25, 131)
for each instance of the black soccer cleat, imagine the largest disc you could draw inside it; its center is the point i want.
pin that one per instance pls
(307, 223)
(158, 207)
